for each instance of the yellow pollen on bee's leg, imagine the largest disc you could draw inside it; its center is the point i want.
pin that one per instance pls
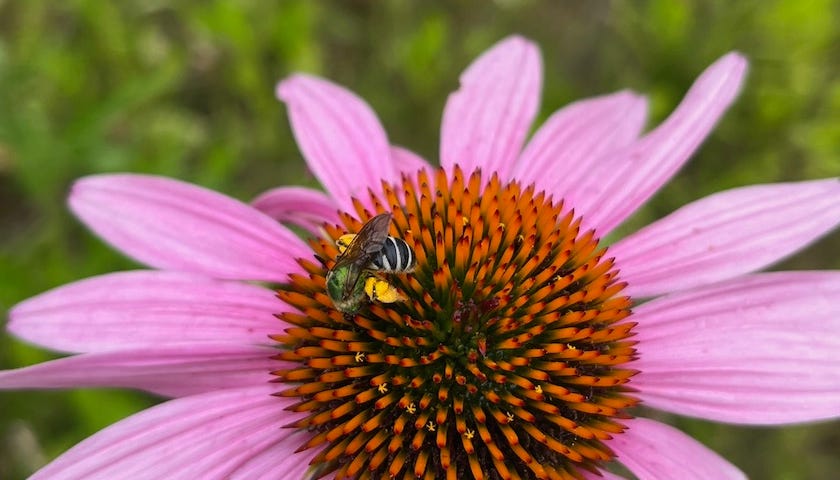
(379, 290)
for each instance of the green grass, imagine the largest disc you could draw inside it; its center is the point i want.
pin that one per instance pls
(187, 91)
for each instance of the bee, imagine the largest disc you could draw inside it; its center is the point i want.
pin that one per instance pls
(370, 250)
(395, 257)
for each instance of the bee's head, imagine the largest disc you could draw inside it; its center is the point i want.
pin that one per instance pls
(346, 300)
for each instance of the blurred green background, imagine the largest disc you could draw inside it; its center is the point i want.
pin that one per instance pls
(186, 90)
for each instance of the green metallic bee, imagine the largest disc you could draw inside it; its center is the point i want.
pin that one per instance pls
(347, 278)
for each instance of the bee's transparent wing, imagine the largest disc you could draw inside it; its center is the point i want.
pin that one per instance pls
(365, 245)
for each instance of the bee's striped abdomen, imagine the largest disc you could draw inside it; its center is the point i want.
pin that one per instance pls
(396, 256)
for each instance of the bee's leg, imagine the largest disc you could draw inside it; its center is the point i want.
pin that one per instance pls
(379, 290)
(370, 287)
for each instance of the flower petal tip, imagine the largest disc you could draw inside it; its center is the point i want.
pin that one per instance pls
(81, 183)
(12, 321)
(82, 195)
(77, 196)
(282, 90)
(736, 59)
(730, 69)
(635, 105)
(516, 41)
(509, 51)
(289, 87)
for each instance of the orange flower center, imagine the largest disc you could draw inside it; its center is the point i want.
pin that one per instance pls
(504, 357)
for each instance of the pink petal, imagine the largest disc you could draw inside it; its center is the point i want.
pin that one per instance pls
(279, 461)
(172, 370)
(300, 206)
(409, 165)
(726, 235)
(569, 144)
(271, 439)
(200, 436)
(146, 308)
(653, 450)
(616, 187)
(407, 161)
(177, 226)
(486, 121)
(760, 350)
(340, 136)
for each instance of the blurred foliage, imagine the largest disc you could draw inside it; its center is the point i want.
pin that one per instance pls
(185, 89)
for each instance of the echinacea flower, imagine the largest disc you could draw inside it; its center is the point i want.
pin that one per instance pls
(521, 343)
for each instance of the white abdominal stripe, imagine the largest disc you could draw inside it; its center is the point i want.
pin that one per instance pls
(396, 256)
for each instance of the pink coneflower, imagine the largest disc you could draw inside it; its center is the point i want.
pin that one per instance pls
(520, 344)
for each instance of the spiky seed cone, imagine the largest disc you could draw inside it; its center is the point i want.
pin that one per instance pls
(506, 360)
